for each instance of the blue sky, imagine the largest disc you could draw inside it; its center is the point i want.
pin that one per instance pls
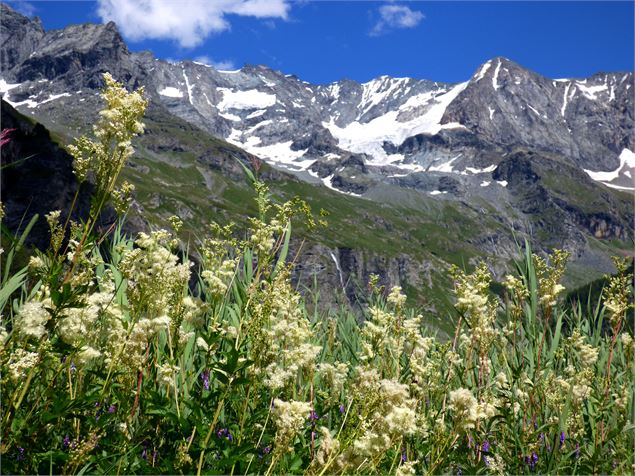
(323, 41)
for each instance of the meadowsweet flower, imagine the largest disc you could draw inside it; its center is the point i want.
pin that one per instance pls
(474, 301)
(396, 297)
(289, 418)
(333, 375)
(31, 319)
(465, 408)
(329, 446)
(166, 374)
(617, 294)
(406, 469)
(87, 354)
(20, 362)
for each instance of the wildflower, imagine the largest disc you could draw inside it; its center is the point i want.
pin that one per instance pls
(396, 297)
(225, 433)
(289, 418)
(328, 446)
(21, 454)
(205, 379)
(87, 354)
(406, 469)
(485, 446)
(342, 409)
(20, 362)
(4, 136)
(264, 452)
(112, 408)
(465, 408)
(31, 319)
(166, 374)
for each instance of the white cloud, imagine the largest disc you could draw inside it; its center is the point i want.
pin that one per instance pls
(23, 7)
(188, 22)
(396, 16)
(221, 64)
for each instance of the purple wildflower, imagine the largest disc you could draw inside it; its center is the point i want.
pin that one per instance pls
(144, 454)
(577, 450)
(404, 456)
(342, 409)
(21, 454)
(205, 379)
(225, 433)
(563, 437)
(542, 437)
(73, 367)
(264, 452)
(485, 446)
(485, 460)
(534, 460)
(112, 408)
(313, 416)
(66, 442)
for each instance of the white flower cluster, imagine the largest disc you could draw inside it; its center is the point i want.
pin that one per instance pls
(156, 279)
(333, 375)
(587, 354)
(166, 374)
(290, 337)
(396, 297)
(289, 418)
(467, 411)
(393, 416)
(473, 299)
(20, 362)
(31, 319)
(329, 446)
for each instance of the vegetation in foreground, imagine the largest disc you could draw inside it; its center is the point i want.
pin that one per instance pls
(114, 361)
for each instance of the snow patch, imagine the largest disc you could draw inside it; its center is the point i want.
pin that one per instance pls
(485, 183)
(591, 92)
(33, 104)
(171, 92)
(6, 87)
(491, 112)
(627, 159)
(231, 117)
(495, 77)
(437, 192)
(502, 183)
(445, 167)
(249, 99)
(481, 74)
(486, 170)
(369, 137)
(189, 87)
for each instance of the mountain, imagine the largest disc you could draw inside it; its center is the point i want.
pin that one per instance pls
(417, 174)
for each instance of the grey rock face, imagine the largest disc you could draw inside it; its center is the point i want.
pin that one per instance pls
(18, 37)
